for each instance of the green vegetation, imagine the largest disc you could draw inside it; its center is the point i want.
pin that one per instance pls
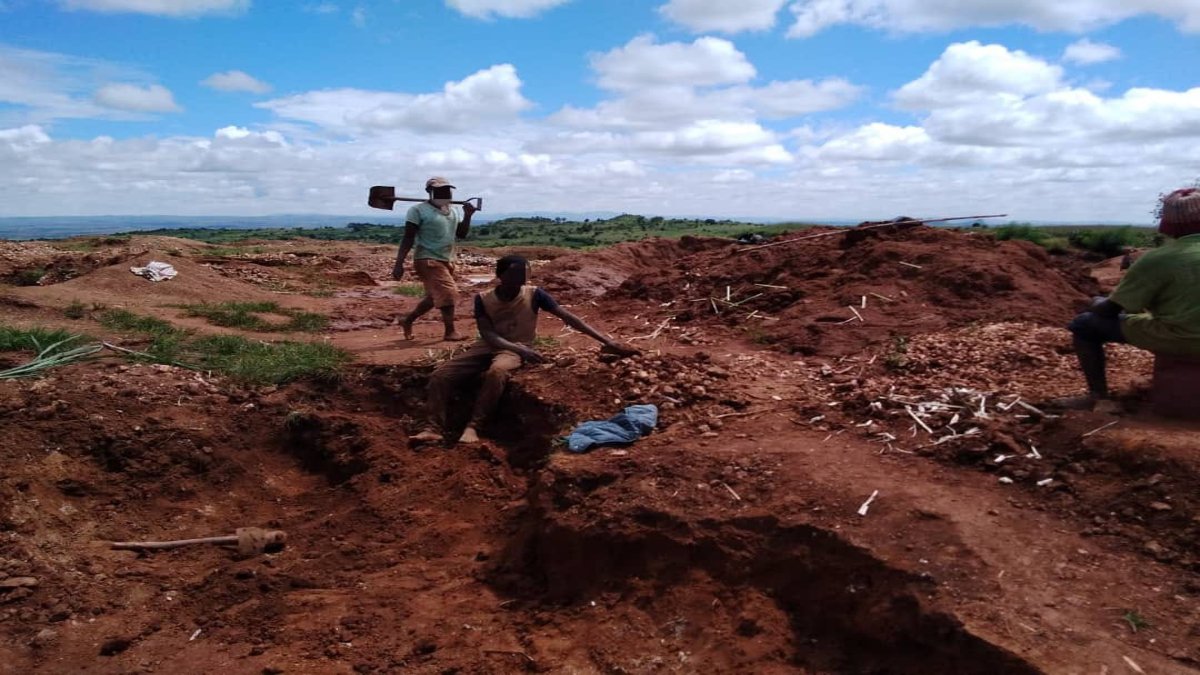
(49, 356)
(264, 363)
(75, 310)
(1107, 241)
(32, 339)
(537, 231)
(245, 315)
(594, 233)
(410, 290)
(90, 244)
(29, 277)
(1135, 621)
(507, 232)
(248, 360)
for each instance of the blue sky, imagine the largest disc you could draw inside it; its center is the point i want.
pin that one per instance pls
(804, 109)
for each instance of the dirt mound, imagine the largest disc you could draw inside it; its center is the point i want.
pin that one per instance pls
(114, 284)
(591, 274)
(823, 296)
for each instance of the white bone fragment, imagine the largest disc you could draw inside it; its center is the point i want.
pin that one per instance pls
(862, 510)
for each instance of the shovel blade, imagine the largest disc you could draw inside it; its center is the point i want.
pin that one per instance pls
(382, 197)
(253, 541)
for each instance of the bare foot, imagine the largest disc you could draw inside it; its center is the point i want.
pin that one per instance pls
(454, 337)
(425, 436)
(407, 326)
(469, 436)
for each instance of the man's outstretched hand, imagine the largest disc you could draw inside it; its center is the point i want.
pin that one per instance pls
(619, 349)
(528, 355)
(398, 273)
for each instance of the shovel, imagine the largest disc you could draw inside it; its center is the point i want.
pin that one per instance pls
(384, 197)
(250, 541)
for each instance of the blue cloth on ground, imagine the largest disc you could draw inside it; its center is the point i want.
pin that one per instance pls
(625, 427)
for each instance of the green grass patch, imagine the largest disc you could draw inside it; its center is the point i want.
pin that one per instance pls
(29, 277)
(14, 339)
(410, 290)
(267, 363)
(247, 316)
(75, 310)
(251, 361)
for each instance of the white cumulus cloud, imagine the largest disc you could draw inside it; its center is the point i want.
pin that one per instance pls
(236, 80)
(486, 97)
(171, 8)
(1085, 52)
(133, 98)
(643, 62)
(515, 9)
(813, 16)
(969, 71)
(722, 15)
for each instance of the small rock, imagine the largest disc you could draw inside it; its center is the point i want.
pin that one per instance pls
(19, 582)
(1155, 549)
(44, 638)
(1160, 506)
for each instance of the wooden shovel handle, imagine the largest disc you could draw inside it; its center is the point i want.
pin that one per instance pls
(162, 545)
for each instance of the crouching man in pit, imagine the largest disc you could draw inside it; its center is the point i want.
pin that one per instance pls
(1155, 307)
(507, 319)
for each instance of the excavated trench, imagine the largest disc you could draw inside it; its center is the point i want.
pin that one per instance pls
(846, 611)
(585, 573)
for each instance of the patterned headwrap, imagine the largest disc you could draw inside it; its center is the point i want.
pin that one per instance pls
(1180, 213)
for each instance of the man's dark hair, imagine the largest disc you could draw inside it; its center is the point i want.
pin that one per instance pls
(508, 261)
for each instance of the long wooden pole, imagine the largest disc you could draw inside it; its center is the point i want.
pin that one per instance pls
(868, 227)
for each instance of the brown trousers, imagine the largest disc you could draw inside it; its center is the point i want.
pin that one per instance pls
(480, 359)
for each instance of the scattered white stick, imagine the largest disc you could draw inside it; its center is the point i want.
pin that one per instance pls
(1000, 458)
(1030, 408)
(735, 495)
(782, 288)
(1033, 453)
(856, 314)
(864, 302)
(728, 293)
(918, 420)
(883, 297)
(1044, 482)
(906, 264)
(1098, 430)
(195, 635)
(1006, 480)
(1136, 667)
(862, 510)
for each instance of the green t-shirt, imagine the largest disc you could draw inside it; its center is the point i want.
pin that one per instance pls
(435, 232)
(1161, 293)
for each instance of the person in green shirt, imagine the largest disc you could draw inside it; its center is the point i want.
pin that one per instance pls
(1156, 306)
(432, 227)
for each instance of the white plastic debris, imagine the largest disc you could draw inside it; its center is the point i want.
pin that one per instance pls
(156, 271)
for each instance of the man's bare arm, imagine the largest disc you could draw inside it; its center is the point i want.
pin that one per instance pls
(582, 326)
(464, 225)
(406, 244)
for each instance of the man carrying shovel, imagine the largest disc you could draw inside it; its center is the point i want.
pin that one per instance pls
(507, 320)
(432, 227)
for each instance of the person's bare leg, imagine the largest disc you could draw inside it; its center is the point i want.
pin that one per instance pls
(451, 334)
(420, 310)
(491, 388)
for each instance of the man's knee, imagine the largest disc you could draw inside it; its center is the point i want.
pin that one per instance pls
(1093, 328)
(497, 374)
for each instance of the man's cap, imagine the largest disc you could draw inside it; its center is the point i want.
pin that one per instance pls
(1181, 207)
(437, 182)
